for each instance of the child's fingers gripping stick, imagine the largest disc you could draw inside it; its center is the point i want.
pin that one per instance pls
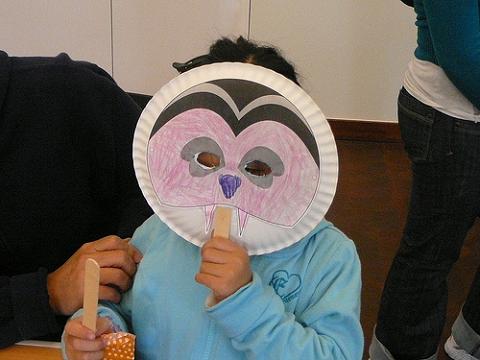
(221, 230)
(225, 265)
(80, 340)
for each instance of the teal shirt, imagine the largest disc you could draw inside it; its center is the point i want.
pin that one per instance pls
(449, 36)
(303, 303)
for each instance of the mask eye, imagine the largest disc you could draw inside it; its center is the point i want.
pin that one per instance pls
(258, 168)
(207, 160)
(203, 155)
(260, 165)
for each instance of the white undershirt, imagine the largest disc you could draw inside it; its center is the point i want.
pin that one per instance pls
(429, 84)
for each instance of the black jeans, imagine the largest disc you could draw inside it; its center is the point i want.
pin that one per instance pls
(444, 202)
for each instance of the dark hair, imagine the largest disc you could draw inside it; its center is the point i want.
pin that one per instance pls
(242, 50)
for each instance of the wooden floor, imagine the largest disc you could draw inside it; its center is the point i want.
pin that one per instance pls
(370, 207)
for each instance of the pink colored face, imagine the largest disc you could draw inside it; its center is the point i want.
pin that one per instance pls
(253, 161)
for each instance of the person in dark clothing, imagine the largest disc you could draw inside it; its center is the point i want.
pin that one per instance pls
(439, 119)
(66, 180)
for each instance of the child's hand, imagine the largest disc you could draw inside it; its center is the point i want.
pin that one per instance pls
(225, 267)
(83, 343)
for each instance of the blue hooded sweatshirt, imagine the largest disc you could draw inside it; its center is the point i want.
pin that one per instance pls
(303, 302)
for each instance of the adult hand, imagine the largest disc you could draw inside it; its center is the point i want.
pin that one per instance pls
(225, 267)
(82, 343)
(118, 263)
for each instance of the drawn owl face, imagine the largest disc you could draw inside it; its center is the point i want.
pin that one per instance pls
(222, 137)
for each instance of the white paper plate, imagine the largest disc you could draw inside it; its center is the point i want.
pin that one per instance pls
(258, 236)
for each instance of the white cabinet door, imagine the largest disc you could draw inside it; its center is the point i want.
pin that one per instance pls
(81, 28)
(149, 35)
(351, 54)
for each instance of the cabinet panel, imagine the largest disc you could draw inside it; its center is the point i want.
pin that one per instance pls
(149, 35)
(351, 54)
(48, 27)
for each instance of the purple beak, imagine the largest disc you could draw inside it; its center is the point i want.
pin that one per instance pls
(230, 184)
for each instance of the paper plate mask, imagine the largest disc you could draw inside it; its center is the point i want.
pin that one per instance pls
(239, 136)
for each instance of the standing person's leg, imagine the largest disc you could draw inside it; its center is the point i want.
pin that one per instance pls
(443, 205)
(465, 338)
(471, 308)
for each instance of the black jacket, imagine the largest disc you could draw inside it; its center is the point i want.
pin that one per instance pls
(66, 177)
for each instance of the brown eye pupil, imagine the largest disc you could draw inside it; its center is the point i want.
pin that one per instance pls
(208, 160)
(258, 168)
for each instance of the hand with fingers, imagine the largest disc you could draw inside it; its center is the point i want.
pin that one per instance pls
(118, 263)
(225, 267)
(83, 343)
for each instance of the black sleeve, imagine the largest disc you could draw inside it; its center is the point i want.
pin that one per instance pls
(24, 306)
(114, 172)
(66, 175)
(133, 208)
(24, 309)
(107, 118)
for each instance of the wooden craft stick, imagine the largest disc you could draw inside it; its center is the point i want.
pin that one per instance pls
(90, 294)
(222, 222)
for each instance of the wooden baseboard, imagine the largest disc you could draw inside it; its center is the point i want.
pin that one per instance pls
(375, 131)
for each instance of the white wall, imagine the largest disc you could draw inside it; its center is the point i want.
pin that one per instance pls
(149, 35)
(80, 28)
(351, 53)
